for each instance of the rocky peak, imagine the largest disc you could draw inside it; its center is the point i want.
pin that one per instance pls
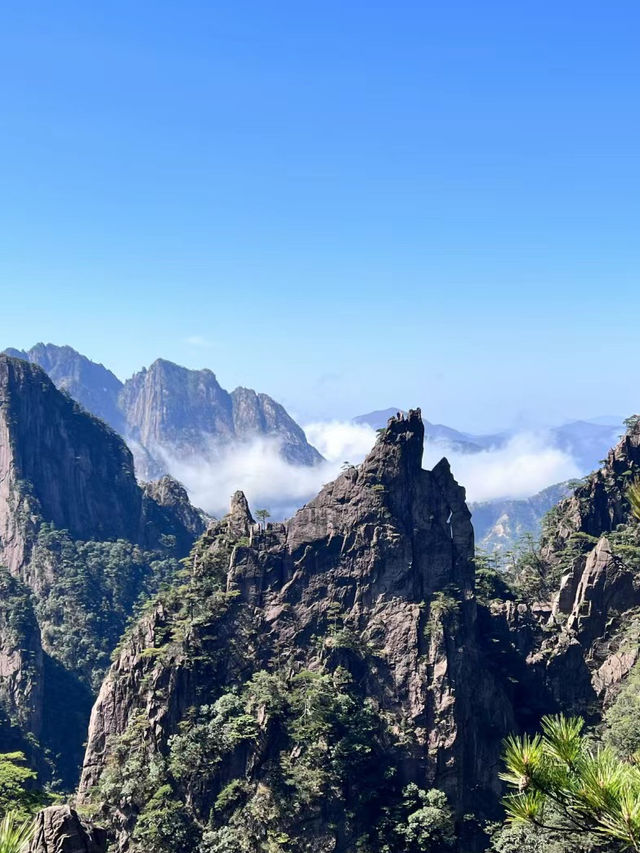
(239, 520)
(170, 405)
(93, 386)
(384, 554)
(78, 470)
(418, 519)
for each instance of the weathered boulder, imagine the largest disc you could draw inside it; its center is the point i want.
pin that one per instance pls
(60, 829)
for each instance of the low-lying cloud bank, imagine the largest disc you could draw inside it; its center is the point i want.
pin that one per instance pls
(520, 468)
(525, 465)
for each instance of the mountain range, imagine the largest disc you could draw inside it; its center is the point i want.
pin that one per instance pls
(586, 441)
(340, 681)
(168, 413)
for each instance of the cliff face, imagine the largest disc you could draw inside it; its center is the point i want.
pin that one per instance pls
(168, 413)
(178, 413)
(171, 406)
(367, 590)
(87, 541)
(76, 470)
(60, 464)
(93, 386)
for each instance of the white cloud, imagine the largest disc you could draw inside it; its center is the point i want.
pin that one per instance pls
(521, 468)
(341, 441)
(524, 466)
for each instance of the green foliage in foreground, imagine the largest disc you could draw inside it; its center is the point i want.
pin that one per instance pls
(18, 794)
(622, 719)
(567, 787)
(633, 496)
(15, 833)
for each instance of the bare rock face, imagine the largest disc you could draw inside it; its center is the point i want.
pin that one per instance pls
(60, 464)
(604, 584)
(180, 414)
(60, 829)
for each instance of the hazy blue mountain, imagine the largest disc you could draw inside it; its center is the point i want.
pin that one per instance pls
(588, 441)
(167, 412)
(499, 524)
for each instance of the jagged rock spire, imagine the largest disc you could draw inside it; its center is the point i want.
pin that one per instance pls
(239, 519)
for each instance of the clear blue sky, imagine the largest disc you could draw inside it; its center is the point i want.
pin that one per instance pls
(348, 205)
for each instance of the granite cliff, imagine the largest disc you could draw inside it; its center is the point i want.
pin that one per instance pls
(364, 599)
(81, 542)
(170, 414)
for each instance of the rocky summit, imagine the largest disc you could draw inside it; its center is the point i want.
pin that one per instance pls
(360, 609)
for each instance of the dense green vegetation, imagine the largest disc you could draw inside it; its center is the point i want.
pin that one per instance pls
(272, 758)
(15, 833)
(90, 590)
(332, 771)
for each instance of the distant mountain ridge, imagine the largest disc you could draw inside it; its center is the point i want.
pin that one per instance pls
(499, 524)
(168, 412)
(588, 441)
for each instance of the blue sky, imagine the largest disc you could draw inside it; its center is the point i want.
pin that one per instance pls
(347, 205)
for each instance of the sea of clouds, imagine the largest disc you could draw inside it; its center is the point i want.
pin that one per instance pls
(523, 466)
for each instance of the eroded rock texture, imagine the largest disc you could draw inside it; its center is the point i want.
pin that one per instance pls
(385, 553)
(86, 540)
(59, 829)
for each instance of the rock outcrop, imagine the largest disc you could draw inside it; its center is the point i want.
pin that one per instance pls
(386, 553)
(60, 464)
(60, 829)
